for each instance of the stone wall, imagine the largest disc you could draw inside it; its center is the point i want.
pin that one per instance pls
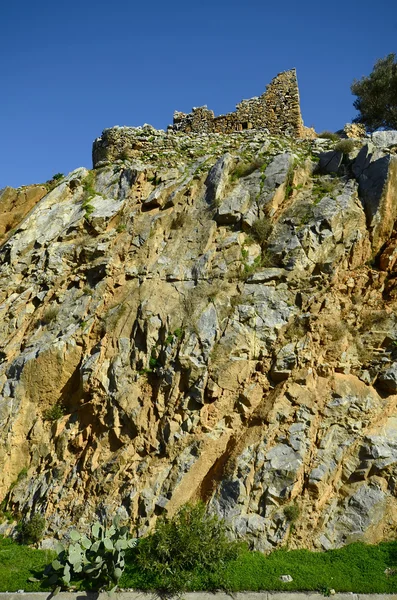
(277, 109)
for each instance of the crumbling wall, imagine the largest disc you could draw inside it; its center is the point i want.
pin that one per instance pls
(277, 109)
(282, 105)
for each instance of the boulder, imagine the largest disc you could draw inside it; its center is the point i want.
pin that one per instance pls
(218, 178)
(232, 208)
(384, 139)
(388, 379)
(330, 162)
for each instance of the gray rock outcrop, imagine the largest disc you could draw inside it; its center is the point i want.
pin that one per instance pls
(197, 318)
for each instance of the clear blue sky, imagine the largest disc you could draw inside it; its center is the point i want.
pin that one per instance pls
(70, 69)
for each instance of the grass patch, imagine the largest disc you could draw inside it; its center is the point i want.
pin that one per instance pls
(88, 186)
(246, 168)
(178, 333)
(292, 512)
(345, 146)
(355, 568)
(55, 412)
(250, 268)
(261, 230)
(289, 180)
(322, 188)
(329, 135)
(19, 563)
(89, 209)
(50, 315)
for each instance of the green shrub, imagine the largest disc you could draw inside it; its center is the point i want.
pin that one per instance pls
(31, 531)
(355, 568)
(178, 333)
(58, 176)
(345, 146)
(89, 187)
(54, 412)
(190, 542)
(261, 230)
(292, 512)
(50, 315)
(289, 180)
(180, 220)
(244, 169)
(124, 155)
(88, 291)
(89, 209)
(329, 135)
(6, 515)
(98, 560)
(251, 268)
(323, 187)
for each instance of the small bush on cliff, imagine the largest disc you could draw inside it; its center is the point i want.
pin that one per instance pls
(55, 412)
(261, 230)
(50, 315)
(244, 169)
(190, 542)
(329, 135)
(345, 146)
(32, 530)
(292, 512)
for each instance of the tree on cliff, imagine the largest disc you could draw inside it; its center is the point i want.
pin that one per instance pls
(377, 95)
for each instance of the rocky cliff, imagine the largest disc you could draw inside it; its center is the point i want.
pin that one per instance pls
(206, 316)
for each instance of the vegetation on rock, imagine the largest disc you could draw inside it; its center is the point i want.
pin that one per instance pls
(329, 135)
(31, 530)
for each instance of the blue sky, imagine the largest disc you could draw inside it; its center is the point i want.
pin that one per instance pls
(68, 70)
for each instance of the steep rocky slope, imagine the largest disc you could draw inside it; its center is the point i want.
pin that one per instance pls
(211, 317)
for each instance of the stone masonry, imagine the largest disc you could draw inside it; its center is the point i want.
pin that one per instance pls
(277, 109)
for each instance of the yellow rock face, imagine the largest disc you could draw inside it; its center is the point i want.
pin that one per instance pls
(199, 317)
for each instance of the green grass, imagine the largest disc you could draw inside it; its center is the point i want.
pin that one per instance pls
(19, 563)
(329, 135)
(355, 568)
(246, 168)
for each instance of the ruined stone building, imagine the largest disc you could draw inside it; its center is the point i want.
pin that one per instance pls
(277, 109)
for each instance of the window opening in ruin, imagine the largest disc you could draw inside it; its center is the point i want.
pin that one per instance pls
(245, 125)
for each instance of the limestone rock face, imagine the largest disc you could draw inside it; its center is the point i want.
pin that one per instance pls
(376, 172)
(15, 204)
(197, 317)
(384, 139)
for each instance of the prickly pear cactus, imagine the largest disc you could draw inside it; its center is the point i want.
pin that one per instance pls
(98, 559)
